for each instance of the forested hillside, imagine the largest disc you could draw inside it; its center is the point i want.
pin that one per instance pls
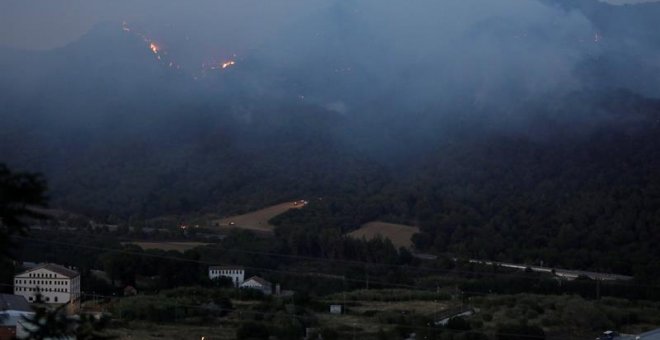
(549, 155)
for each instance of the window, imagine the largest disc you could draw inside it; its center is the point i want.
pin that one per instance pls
(56, 299)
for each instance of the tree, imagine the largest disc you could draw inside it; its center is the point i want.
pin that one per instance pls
(519, 332)
(20, 194)
(252, 330)
(55, 324)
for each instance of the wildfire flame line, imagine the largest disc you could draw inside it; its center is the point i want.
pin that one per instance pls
(162, 55)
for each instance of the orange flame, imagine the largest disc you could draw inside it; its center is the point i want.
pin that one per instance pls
(228, 64)
(154, 48)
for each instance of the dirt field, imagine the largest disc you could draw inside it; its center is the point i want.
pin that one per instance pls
(257, 220)
(178, 246)
(399, 234)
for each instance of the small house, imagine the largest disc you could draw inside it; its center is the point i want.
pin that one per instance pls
(258, 283)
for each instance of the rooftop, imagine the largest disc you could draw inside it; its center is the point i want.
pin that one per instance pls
(261, 281)
(56, 268)
(651, 335)
(226, 268)
(14, 302)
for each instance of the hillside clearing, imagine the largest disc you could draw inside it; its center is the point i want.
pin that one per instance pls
(399, 234)
(258, 220)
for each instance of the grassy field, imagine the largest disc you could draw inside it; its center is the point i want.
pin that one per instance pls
(178, 246)
(145, 330)
(372, 310)
(257, 220)
(399, 234)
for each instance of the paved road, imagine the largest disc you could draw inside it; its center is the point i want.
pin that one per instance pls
(565, 273)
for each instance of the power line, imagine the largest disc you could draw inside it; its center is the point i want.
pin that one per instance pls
(178, 304)
(315, 319)
(278, 271)
(364, 263)
(208, 263)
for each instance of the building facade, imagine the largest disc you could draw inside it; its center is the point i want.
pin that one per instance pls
(54, 283)
(236, 274)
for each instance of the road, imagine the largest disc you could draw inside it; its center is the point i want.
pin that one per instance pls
(564, 273)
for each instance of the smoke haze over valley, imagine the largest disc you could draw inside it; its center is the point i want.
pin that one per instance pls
(444, 114)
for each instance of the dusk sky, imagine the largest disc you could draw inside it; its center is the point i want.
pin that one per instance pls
(43, 24)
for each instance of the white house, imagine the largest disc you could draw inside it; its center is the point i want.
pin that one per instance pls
(258, 283)
(13, 311)
(55, 284)
(236, 274)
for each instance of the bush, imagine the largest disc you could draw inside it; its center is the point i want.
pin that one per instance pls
(458, 323)
(519, 332)
(252, 330)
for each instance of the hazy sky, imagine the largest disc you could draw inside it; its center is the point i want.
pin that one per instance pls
(44, 24)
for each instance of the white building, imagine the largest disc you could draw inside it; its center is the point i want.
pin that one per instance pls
(236, 274)
(13, 311)
(258, 283)
(55, 284)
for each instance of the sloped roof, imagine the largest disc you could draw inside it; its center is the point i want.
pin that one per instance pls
(56, 268)
(14, 302)
(650, 335)
(259, 280)
(226, 268)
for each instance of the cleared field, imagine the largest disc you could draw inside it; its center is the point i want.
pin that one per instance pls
(178, 246)
(399, 234)
(258, 220)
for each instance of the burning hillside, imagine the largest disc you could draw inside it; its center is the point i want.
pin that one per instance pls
(164, 58)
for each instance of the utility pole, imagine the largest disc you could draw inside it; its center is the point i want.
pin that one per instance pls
(343, 307)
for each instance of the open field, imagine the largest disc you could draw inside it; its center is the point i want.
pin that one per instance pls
(257, 220)
(366, 317)
(178, 246)
(145, 330)
(399, 234)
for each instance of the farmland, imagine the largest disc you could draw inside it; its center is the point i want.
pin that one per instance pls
(399, 234)
(257, 220)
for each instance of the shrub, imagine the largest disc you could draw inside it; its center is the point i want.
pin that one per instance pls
(252, 330)
(519, 332)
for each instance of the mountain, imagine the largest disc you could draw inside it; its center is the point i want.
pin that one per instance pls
(503, 139)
